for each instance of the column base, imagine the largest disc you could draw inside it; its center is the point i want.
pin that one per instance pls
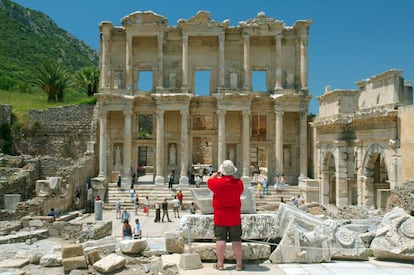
(159, 180)
(184, 180)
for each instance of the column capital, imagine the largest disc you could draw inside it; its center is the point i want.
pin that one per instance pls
(246, 36)
(221, 112)
(160, 114)
(185, 38)
(246, 113)
(184, 112)
(128, 113)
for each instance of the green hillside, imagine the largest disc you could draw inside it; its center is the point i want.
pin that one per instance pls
(29, 38)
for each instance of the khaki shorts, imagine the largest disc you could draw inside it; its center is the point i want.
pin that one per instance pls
(228, 233)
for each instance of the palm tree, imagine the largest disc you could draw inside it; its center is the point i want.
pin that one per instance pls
(52, 78)
(88, 78)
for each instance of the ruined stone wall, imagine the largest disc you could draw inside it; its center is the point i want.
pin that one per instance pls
(22, 180)
(18, 175)
(5, 114)
(59, 132)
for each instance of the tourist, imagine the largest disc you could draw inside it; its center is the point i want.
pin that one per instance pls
(192, 208)
(77, 197)
(180, 197)
(136, 205)
(265, 186)
(119, 181)
(118, 208)
(138, 169)
(176, 207)
(259, 190)
(190, 174)
(165, 211)
(171, 179)
(125, 215)
(137, 229)
(199, 180)
(52, 213)
(132, 193)
(282, 183)
(157, 212)
(300, 200)
(147, 205)
(227, 212)
(126, 230)
(276, 181)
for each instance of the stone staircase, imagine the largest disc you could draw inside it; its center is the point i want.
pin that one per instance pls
(158, 193)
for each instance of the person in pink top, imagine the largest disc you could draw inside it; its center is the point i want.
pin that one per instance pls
(227, 217)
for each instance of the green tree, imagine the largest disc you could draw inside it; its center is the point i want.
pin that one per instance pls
(88, 78)
(52, 78)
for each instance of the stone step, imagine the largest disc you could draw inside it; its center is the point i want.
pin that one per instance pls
(160, 192)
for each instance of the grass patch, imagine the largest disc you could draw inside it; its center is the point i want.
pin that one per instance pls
(37, 100)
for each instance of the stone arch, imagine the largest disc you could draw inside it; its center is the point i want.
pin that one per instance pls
(328, 174)
(375, 175)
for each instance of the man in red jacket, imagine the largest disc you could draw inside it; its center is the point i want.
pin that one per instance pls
(227, 217)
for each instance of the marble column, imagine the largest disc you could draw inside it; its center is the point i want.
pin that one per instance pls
(246, 147)
(279, 141)
(127, 145)
(246, 62)
(221, 136)
(160, 71)
(184, 62)
(102, 144)
(106, 60)
(278, 62)
(221, 60)
(129, 62)
(159, 158)
(303, 139)
(184, 147)
(303, 40)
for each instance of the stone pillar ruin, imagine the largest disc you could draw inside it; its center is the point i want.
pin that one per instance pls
(246, 61)
(159, 178)
(127, 144)
(341, 174)
(184, 83)
(303, 128)
(184, 147)
(303, 41)
(221, 136)
(160, 71)
(129, 61)
(279, 141)
(102, 144)
(246, 147)
(106, 60)
(221, 60)
(278, 62)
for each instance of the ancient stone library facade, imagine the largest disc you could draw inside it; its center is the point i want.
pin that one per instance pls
(153, 111)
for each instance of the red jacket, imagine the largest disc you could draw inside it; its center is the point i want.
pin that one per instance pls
(226, 200)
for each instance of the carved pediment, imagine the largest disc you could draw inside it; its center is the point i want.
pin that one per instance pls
(202, 20)
(144, 19)
(262, 22)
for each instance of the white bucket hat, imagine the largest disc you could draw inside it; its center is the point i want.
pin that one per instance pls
(228, 168)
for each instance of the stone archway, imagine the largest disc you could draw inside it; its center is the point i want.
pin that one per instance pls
(376, 186)
(328, 176)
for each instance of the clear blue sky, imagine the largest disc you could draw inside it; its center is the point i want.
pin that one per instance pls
(349, 40)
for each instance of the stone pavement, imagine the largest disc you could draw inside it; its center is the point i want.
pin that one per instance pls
(154, 232)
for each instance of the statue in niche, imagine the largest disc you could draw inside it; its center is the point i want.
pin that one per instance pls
(290, 77)
(173, 155)
(172, 80)
(233, 80)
